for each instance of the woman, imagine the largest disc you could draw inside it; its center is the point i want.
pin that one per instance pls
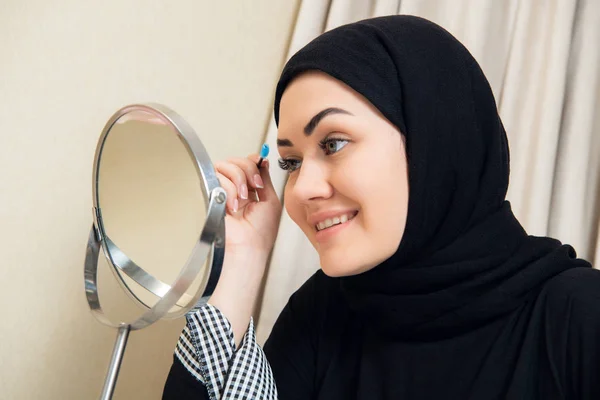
(429, 287)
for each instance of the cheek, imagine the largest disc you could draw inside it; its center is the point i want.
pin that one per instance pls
(392, 204)
(371, 177)
(379, 186)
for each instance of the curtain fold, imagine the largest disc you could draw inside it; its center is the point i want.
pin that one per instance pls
(542, 58)
(575, 207)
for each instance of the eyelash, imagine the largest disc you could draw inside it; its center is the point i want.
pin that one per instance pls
(291, 164)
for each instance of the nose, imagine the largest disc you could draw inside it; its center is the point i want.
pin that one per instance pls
(312, 182)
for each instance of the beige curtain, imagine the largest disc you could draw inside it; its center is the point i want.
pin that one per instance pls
(542, 58)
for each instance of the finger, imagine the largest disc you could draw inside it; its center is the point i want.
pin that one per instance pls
(250, 168)
(231, 190)
(267, 193)
(236, 175)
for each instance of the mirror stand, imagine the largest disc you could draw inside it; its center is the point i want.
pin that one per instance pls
(115, 362)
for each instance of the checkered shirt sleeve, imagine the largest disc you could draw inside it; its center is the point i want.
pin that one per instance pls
(206, 348)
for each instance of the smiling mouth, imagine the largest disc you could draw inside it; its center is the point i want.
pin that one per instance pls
(339, 220)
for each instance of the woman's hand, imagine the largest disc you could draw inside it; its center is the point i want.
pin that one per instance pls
(250, 230)
(250, 225)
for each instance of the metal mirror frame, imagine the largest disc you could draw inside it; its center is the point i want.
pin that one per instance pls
(210, 244)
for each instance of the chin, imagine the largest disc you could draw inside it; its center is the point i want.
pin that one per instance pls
(334, 273)
(340, 270)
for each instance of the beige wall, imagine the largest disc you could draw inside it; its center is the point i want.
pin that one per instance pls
(65, 67)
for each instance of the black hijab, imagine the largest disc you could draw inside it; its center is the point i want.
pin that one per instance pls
(464, 259)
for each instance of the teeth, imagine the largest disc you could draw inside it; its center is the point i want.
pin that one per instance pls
(334, 221)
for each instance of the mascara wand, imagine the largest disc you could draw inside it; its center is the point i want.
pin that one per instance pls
(264, 152)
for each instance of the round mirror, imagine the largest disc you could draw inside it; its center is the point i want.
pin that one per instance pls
(159, 219)
(158, 212)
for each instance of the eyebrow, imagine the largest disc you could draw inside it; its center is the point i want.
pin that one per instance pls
(312, 124)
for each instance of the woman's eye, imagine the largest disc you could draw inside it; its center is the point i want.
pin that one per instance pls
(289, 165)
(331, 145)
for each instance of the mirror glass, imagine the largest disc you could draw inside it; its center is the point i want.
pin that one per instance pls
(151, 202)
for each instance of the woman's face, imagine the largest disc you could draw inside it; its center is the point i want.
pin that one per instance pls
(347, 167)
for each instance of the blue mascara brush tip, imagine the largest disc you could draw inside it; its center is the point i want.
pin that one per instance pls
(264, 152)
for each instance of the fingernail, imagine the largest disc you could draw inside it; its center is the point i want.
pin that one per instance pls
(258, 181)
(235, 205)
(244, 191)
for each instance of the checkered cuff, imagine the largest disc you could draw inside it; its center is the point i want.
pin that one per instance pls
(206, 347)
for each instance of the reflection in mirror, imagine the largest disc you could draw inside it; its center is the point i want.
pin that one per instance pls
(150, 197)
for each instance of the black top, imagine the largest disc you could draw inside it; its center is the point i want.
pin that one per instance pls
(547, 348)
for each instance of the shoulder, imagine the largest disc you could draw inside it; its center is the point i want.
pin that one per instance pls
(579, 284)
(575, 295)
(572, 330)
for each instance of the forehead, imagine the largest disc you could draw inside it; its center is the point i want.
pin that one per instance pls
(310, 93)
